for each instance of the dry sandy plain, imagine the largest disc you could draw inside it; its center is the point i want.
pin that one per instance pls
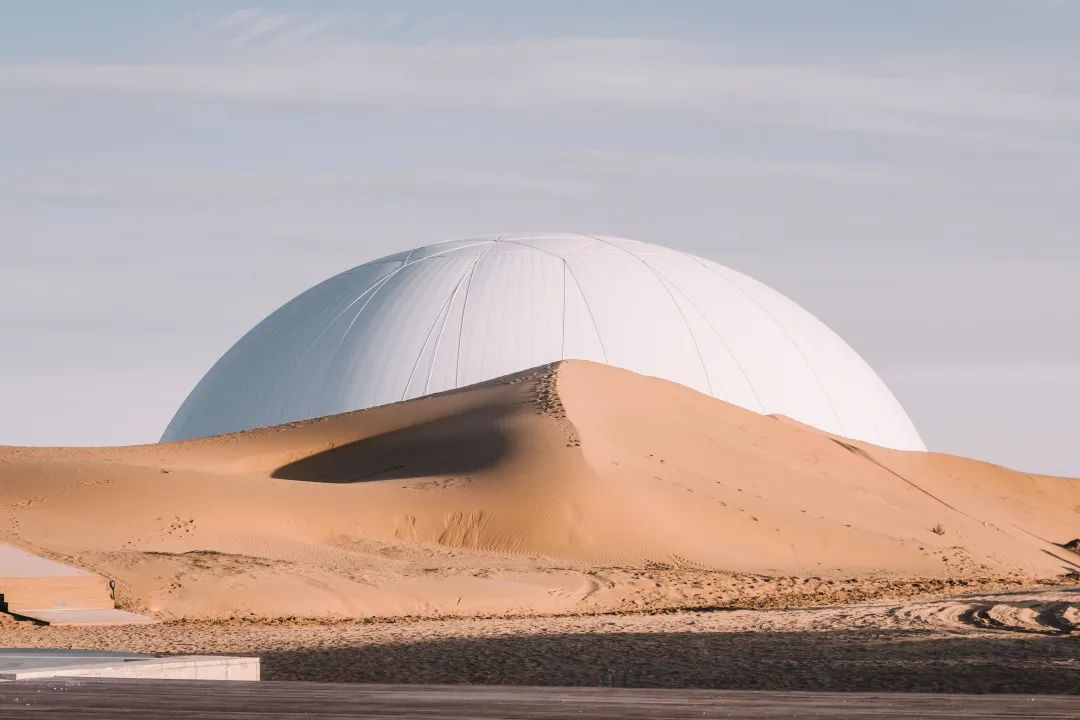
(573, 524)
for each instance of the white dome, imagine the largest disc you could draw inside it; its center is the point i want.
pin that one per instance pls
(460, 312)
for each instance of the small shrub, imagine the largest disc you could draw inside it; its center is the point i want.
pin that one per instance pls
(938, 529)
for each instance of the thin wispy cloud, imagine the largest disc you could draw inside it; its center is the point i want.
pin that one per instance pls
(254, 28)
(589, 174)
(296, 188)
(572, 74)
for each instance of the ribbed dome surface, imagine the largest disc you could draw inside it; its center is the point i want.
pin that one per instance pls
(460, 312)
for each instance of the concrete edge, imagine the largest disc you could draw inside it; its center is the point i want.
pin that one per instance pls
(181, 667)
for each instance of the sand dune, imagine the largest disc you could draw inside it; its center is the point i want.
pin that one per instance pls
(569, 488)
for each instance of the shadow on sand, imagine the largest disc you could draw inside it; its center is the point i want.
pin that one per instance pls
(463, 443)
(824, 660)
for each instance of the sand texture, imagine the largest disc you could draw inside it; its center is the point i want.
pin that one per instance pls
(1021, 642)
(573, 488)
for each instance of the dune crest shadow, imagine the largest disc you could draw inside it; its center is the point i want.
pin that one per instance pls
(464, 442)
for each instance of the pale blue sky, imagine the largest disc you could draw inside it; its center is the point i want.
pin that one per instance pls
(170, 172)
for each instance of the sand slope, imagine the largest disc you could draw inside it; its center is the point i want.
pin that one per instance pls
(570, 487)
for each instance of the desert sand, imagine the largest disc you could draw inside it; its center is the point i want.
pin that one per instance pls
(573, 525)
(1020, 642)
(573, 488)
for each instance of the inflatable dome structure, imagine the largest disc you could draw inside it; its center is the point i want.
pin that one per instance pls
(464, 311)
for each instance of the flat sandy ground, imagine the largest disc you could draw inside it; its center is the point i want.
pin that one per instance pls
(1023, 641)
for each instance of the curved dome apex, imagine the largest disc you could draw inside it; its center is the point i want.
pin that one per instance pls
(464, 311)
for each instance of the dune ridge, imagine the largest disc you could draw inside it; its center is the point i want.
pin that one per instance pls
(573, 487)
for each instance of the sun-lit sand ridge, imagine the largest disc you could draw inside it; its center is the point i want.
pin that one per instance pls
(574, 487)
